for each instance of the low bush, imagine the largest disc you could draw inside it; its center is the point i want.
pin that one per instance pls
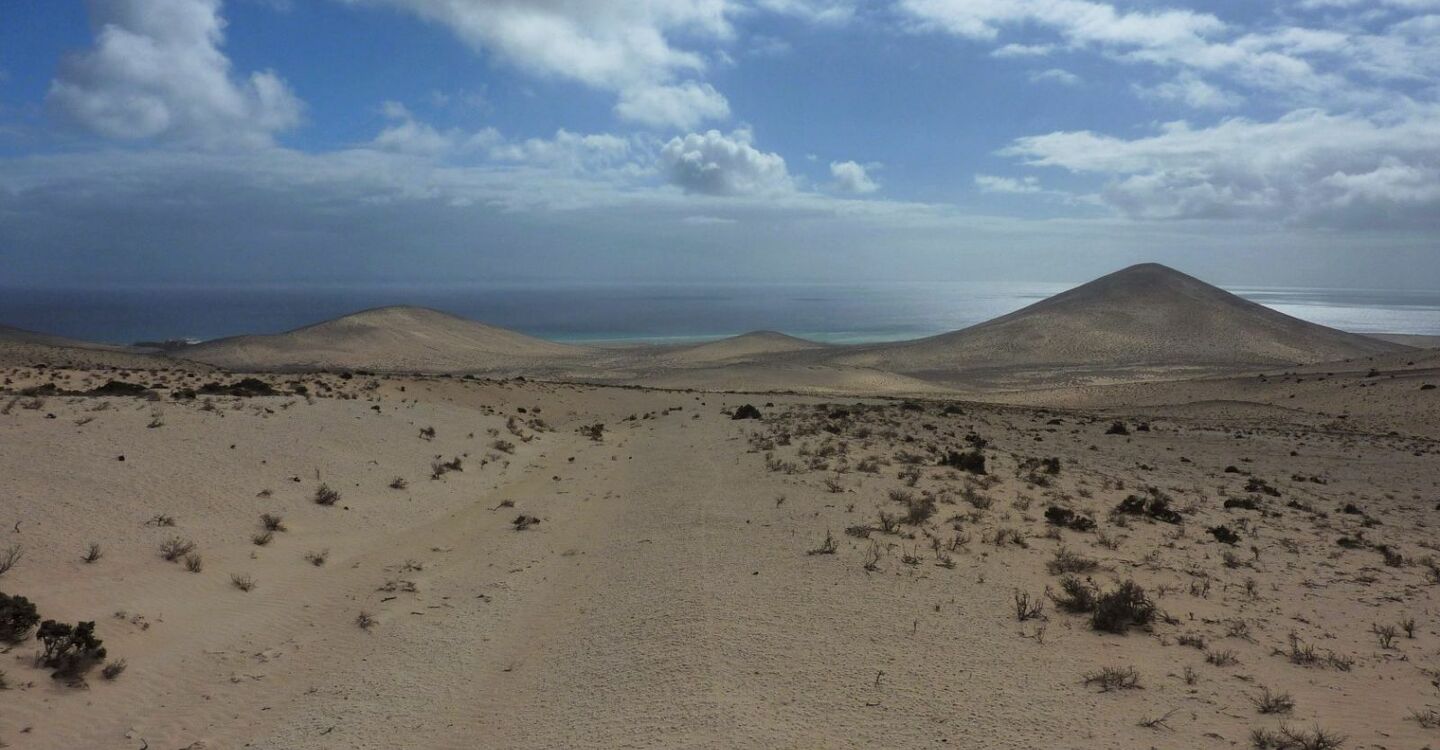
(17, 616)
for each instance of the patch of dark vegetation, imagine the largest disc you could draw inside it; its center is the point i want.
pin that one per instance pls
(1246, 503)
(1126, 606)
(244, 388)
(326, 496)
(1066, 518)
(972, 461)
(1155, 504)
(1066, 561)
(748, 411)
(1114, 678)
(1224, 534)
(1257, 484)
(17, 616)
(1287, 738)
(120, 388)
(1117, 428)
(70, 650)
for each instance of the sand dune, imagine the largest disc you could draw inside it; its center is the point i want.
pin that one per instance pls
(745, 346)
(813, 578)
(22, 347)
(1143, 316)
(386, 339)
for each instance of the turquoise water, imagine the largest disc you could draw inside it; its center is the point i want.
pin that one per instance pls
(839, 313)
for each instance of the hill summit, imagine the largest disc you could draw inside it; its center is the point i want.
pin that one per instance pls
(399, 338)
(1148, 315)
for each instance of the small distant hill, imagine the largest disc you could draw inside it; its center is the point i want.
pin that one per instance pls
(393, 339)
(21, 347)
(745, 346)
(1144, 316)
(12, 335)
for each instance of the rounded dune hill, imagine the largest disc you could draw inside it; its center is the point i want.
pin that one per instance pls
(19, 346)
(400, 338)
(12, 335)
(744, 346)
(1146, 315)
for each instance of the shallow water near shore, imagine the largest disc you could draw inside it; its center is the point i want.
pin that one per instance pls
(639, 313)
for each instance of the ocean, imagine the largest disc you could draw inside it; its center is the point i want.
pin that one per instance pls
(837, 313)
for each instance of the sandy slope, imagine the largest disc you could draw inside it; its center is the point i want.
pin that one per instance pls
(386, 339)
(1144, 316)
(753, 345)
(667, 597)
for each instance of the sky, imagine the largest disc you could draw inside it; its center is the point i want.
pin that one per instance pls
(225, 142)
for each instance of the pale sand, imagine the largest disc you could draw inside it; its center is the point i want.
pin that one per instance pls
(668, 598)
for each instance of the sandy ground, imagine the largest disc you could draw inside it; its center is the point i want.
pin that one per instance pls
(677, 590)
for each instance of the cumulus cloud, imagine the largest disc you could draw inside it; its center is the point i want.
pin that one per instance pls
(680, 106)
(713, 163)
(1336, 65)
(157, 71)
(1306, 167)
(1055, 75)
(989, 183)
(1192, 91)
(567, 152)
(851, 177)
(823, 11)
(408, 135)
(624, 46)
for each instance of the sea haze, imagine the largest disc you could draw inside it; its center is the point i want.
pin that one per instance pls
(838, 313)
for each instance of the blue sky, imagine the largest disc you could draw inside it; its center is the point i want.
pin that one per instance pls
(352, 141)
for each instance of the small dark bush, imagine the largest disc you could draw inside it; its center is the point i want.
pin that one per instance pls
(970, 461)
(1057, 516)
(1246, 503)
(1114, 678)
(1156, 506)
(245, 388)
(1076, 595)
(174, 548)
(119, 388)
(1257, 484)
(919, 510)
(1066, 561)
(70, 650)
(746, 412)
(326, 496)
(1224, 534)
(17, 616)
(1117, 428)
(1118, 610)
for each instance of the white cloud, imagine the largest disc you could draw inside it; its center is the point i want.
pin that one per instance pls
(576, 153)
(680, 106)
(851, 177)
(157, 71)
(1338, 65)
(1306, 167)
(408, 135)
(1192, 91)
(624, 46)
(1055, 75)
(1079, 21)
(713, 163)
(822, 11)
(989, 183)
(1023, 50)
